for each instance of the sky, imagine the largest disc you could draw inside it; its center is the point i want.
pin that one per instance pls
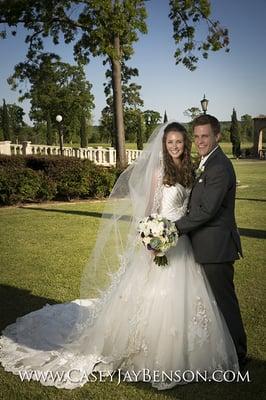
(229, 80)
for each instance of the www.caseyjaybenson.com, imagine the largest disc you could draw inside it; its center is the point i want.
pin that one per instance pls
(145, 375)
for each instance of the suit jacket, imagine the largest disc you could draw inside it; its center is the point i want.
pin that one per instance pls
(210, 219)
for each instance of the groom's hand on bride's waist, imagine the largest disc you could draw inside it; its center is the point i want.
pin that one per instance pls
(177, 228)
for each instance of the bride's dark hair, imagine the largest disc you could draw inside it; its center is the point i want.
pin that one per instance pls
(173, 174)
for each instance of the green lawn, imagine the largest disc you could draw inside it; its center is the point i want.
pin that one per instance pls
(43, 249)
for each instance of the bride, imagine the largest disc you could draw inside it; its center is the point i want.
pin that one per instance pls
(145, 322)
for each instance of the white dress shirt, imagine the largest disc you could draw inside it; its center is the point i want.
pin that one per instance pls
(205, 158)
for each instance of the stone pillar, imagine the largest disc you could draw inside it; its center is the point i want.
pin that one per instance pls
(5, 147)
(260, 141)
(260, 146)
(26, 148)
(259, 125)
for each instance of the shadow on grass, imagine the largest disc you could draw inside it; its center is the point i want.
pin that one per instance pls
(47, 324)
(254, 233)
(75, 212)
(16, 302)
(244, 198)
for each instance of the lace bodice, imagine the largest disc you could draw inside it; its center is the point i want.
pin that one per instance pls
(174, 201)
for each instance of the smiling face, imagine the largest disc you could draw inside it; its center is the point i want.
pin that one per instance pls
(175, 145)
(205, 139)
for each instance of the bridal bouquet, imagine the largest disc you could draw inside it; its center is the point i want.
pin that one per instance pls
(159, 234)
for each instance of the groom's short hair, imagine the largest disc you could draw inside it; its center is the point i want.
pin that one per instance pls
(206, 119)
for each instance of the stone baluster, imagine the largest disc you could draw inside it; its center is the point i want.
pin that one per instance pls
(111, 158)
(99, 154)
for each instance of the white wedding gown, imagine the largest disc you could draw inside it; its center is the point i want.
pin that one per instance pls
(155, 319)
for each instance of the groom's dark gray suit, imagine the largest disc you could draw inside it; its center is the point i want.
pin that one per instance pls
(210, 223)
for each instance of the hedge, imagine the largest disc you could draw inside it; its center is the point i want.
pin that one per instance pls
(39, 178)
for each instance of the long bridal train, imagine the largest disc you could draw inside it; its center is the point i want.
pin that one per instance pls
(160, 319)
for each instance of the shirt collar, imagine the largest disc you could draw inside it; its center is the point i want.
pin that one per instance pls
(205, 158)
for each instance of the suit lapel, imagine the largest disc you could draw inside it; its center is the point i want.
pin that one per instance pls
(216, 153)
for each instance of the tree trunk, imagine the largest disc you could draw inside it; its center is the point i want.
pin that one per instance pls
(49, 138)
(113, 131)
(83, 132)
(121, 161)
(5, 122)
(139, 133)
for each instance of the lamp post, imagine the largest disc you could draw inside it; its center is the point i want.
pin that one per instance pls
(204, 104)
(59, 119)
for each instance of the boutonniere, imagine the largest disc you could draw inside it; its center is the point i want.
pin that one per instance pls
(199, 171)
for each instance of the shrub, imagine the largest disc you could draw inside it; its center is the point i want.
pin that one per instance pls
(38, 178)
(71, 182)
(19, 185)
(48, 188)
(14, 161)
(247, 152)
(101, 181)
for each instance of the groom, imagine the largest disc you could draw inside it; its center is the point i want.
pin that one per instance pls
(210, 223)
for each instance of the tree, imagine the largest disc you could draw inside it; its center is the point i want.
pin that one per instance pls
(56, 88)
(165, 118)
(132, 103)
(133, 126)
(99, 28)
(234, 135)
(186, 16)
(140, 132)
(16, 114)
(83, 132)
(247, 127)
(192, 113)
(106, 129)
(15, 120)
(5, 121)
(109, 28)
(151, 119)
(49, 129)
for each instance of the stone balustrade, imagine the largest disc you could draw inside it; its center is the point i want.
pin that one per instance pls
(99, 155)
